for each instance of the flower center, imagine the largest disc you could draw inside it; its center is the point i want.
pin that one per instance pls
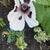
(24, 8)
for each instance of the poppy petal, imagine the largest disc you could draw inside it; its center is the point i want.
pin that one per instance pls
(22, 1)
(17, 3)
(33, 10)
(31, 22)
(14, 22)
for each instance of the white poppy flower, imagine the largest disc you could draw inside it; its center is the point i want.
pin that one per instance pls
(24, 11)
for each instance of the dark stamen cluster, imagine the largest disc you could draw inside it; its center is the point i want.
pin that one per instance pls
(24, 8)
(30, 13)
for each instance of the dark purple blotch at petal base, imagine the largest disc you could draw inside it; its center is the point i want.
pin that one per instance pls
(24, 8)
(27, 1)
(30, 14)
(20, 17)
(16, 9)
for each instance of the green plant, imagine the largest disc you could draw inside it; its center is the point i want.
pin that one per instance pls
(16, 36)
(41, 36)
(2, 23)
(21, 44)
(11, 37)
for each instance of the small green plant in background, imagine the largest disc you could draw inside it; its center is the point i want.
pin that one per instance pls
(11, 37)
(18, 37)
(21, 44)
(41, 36)
(2, 23)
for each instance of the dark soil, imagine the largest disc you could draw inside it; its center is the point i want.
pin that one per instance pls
(32, 43)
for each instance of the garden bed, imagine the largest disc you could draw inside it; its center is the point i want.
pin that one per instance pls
(29, 34)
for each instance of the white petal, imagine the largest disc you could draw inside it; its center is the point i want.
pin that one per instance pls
(31, 22)
(13, 15)
(32, 8)
(22, 1)
(17, 3)
(14, 22)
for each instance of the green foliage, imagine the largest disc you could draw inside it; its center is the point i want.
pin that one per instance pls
(21, 44)
(41, 36)
(2, 23)
(5, 2)
(19, 37)
(11, 36)
(43, 16)
(37, 29)
(43, 2)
